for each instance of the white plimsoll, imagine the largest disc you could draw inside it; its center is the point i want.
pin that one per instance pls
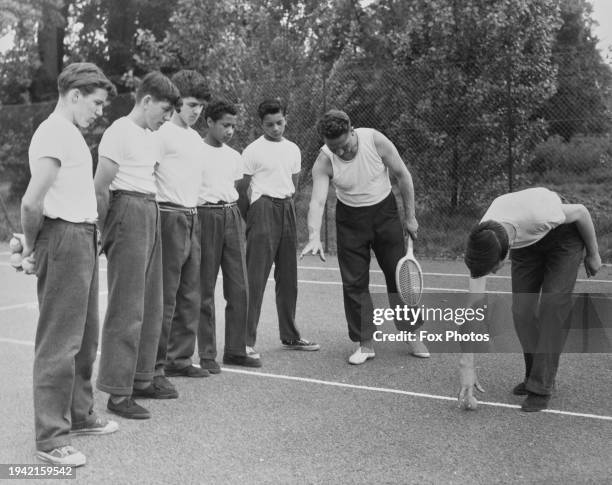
(409, 277)
(64, 455)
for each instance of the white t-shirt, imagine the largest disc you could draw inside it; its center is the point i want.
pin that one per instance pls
(72, 196)
(222, 167)
(179, 173)
(271, 165)
(532, 212)
(136, 152)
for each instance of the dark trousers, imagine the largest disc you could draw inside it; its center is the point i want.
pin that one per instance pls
(132, 243)
(67, 332)
(271, 237)
(223, 246)
(180, 235)
(359, 231)
(544, 272)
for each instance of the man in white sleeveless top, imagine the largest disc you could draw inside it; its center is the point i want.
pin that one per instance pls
(358, 163)
(58, 215)
(178, 177)
(131, 240)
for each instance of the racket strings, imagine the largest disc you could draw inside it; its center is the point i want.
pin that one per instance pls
(410, 282)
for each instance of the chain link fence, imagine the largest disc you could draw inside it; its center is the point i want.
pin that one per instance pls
(463, 147)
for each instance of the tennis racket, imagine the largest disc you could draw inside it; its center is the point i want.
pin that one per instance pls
(409, 277)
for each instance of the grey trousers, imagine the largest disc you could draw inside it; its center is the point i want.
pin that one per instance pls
(223, 246)
(131, 241)
(272, 237)
(545, 273)
(180, 234)
(67, 331)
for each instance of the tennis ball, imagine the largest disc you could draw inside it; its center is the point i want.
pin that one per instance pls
(28, 265)
(16, 261)
(470, 404)
(15, 245)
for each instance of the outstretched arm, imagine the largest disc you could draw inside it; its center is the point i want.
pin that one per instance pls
(397, 168)
(321, 174)
(468, 381)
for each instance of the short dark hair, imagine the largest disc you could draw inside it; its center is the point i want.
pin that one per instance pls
(487, 245)
(334, 124)
(191, 83)
(84, 76)
(159, 87)
(271, 107)
(219, 107)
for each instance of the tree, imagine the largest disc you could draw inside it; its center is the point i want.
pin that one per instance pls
(50, 43)
(483, 69)
(584, 79)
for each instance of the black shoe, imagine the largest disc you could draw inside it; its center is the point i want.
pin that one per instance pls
(128, 409)
(300, 344)
(162, 382)
(158, 389)
(520, 390)
(535, 403)
(189, 371)
(210, 365)
(243, 360)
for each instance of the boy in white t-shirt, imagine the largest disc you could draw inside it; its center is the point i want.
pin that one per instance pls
(128, 154)
(547, 240)
(223, 242)
(178, 177)
(272, 168)
(58, 214)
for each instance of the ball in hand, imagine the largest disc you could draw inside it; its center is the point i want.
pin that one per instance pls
(16, 261)
(15, 245)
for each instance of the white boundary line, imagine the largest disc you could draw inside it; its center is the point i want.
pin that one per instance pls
(377, 271)
(385, 390)
(34, 304)
(407, 393)
(452, 275)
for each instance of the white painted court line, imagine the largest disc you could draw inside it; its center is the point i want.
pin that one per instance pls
(310, 282)
(406, 393)
(377, 271)
(450, 275)
(368, 388)
(32, 305)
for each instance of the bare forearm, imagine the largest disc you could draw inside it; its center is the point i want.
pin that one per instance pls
(407, 190)
(103, 199)
(466, 361)
(31, 222)
(315, 217)
(587, 232)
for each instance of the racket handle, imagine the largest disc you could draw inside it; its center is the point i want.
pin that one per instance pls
(409, 244)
